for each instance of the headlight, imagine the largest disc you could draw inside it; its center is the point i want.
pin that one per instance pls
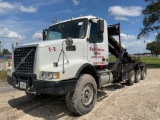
(56, 75)
(50, 75)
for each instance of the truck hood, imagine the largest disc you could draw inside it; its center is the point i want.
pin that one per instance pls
(49, 43)
(44, 43)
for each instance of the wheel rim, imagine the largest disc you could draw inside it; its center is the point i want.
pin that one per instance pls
(87, 94)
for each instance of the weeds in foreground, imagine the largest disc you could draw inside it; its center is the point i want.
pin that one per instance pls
(3, 75)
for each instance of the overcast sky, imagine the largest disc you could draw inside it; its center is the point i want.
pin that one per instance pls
(23, 21)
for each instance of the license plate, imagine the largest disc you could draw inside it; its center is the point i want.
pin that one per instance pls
(23, 85)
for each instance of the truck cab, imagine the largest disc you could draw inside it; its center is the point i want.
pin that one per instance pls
(73, 59)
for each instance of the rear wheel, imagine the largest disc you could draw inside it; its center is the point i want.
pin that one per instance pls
(143, 73)
(138, 75)
(131, 77)
(82, 100)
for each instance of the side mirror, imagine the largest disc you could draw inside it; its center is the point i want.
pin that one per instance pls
(44, 34)
(101, 26)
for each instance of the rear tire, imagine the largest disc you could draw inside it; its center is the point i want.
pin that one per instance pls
(138, 75)
(131, 77)
(82, 100)
(143, 73)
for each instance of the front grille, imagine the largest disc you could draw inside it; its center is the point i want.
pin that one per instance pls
(24, 59)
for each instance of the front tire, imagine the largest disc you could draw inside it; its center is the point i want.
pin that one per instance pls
(82, 100)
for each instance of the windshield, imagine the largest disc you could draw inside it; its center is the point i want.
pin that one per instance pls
(73, 29)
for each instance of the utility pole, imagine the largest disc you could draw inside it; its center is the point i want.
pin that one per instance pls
(17, 43)
(12, 45)
(0, 47)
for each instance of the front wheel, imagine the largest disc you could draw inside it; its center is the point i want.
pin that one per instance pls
(82, 100)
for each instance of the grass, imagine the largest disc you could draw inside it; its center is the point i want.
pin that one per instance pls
(152, 62)
(3, 75)
(112, 58)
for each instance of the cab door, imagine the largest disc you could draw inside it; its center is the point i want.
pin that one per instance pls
(97, 46)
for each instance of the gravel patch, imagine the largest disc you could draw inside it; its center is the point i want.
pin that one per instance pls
(116, 102)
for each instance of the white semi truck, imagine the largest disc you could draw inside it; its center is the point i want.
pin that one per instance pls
(73, 59)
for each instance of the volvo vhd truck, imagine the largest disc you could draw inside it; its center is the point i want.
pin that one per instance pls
(73, 59)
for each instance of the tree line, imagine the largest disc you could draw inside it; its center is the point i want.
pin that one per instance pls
(151, 25)
(5, 52)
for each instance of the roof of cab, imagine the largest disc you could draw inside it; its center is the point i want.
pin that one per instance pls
(82, 17)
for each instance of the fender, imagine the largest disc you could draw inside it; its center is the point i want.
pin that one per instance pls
(83, 67)
(88, 69)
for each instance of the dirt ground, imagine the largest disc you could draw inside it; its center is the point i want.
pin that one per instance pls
(117, 102)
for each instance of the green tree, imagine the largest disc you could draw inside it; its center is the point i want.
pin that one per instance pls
(154, 47)
(151, 21)
(5, 51)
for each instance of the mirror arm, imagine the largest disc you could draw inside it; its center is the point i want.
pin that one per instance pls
(88, 39)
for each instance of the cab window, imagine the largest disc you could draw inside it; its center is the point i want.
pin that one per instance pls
(95, 35)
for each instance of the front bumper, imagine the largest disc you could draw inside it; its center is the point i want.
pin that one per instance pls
(35, 86)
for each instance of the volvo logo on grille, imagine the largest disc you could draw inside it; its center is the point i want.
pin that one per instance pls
(23, 60)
